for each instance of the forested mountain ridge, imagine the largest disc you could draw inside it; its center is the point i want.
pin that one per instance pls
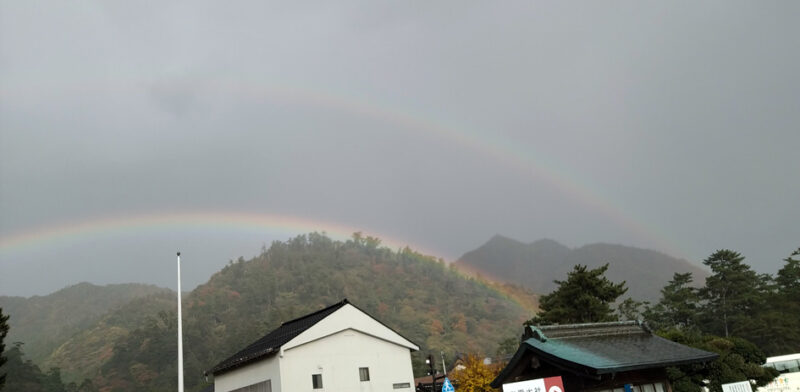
(430, 303)
(87, 350)
(45, 322)
(536, 265)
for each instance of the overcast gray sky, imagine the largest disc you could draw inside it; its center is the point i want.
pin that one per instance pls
(129, 130)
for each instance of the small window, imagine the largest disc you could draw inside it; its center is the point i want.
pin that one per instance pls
(363, 373)
(316, 380)
(401, 385)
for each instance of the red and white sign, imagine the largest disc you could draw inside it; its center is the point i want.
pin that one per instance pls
(550, 384)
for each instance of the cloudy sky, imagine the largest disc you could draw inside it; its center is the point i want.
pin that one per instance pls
(130, 130)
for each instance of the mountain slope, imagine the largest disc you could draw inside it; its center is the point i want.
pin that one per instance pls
(536, 265)
(45, 322)
(82, 355)
(428, 302)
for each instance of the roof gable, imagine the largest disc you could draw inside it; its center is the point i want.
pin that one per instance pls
(272, 342)
(311, 327)
(349, 317)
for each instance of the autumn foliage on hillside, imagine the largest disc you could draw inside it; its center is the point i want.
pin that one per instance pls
(424, 299)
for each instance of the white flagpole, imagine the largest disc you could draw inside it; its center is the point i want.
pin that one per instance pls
(180, 330)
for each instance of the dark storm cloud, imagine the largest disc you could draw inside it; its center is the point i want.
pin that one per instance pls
(678, 116)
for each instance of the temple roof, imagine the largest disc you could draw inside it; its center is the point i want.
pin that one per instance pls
(601, 348)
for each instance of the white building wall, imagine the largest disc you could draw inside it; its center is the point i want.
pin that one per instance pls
(339, 356)
(265, 369)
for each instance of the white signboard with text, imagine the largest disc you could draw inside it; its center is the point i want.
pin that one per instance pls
(550, 384)
(743, 386)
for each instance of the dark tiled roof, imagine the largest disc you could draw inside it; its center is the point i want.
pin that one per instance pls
(602, 348)
(273, 341)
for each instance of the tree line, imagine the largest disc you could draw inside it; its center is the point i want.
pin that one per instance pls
(423, 298)
(27, 376)
(739, 314)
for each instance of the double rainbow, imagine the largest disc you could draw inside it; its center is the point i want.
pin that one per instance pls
(525, 159)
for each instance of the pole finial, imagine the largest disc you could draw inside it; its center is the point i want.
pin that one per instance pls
(179, 253)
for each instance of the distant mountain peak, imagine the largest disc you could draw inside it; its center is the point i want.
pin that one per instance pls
(499, 239)
(535, 265)
(548, 243)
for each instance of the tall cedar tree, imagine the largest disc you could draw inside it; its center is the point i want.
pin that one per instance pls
(732, 294)
(585, 297)
(3, 333)
(678, 307)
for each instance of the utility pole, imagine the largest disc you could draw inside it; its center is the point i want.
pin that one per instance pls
(180, 330)
(430, 363)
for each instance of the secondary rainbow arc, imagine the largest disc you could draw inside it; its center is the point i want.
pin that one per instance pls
(523, 158)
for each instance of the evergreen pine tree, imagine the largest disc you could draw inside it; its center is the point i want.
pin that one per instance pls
(732, 294)
(585, 297)
(3, 334)
(678, 307)
(780, 317)
(788, 278)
